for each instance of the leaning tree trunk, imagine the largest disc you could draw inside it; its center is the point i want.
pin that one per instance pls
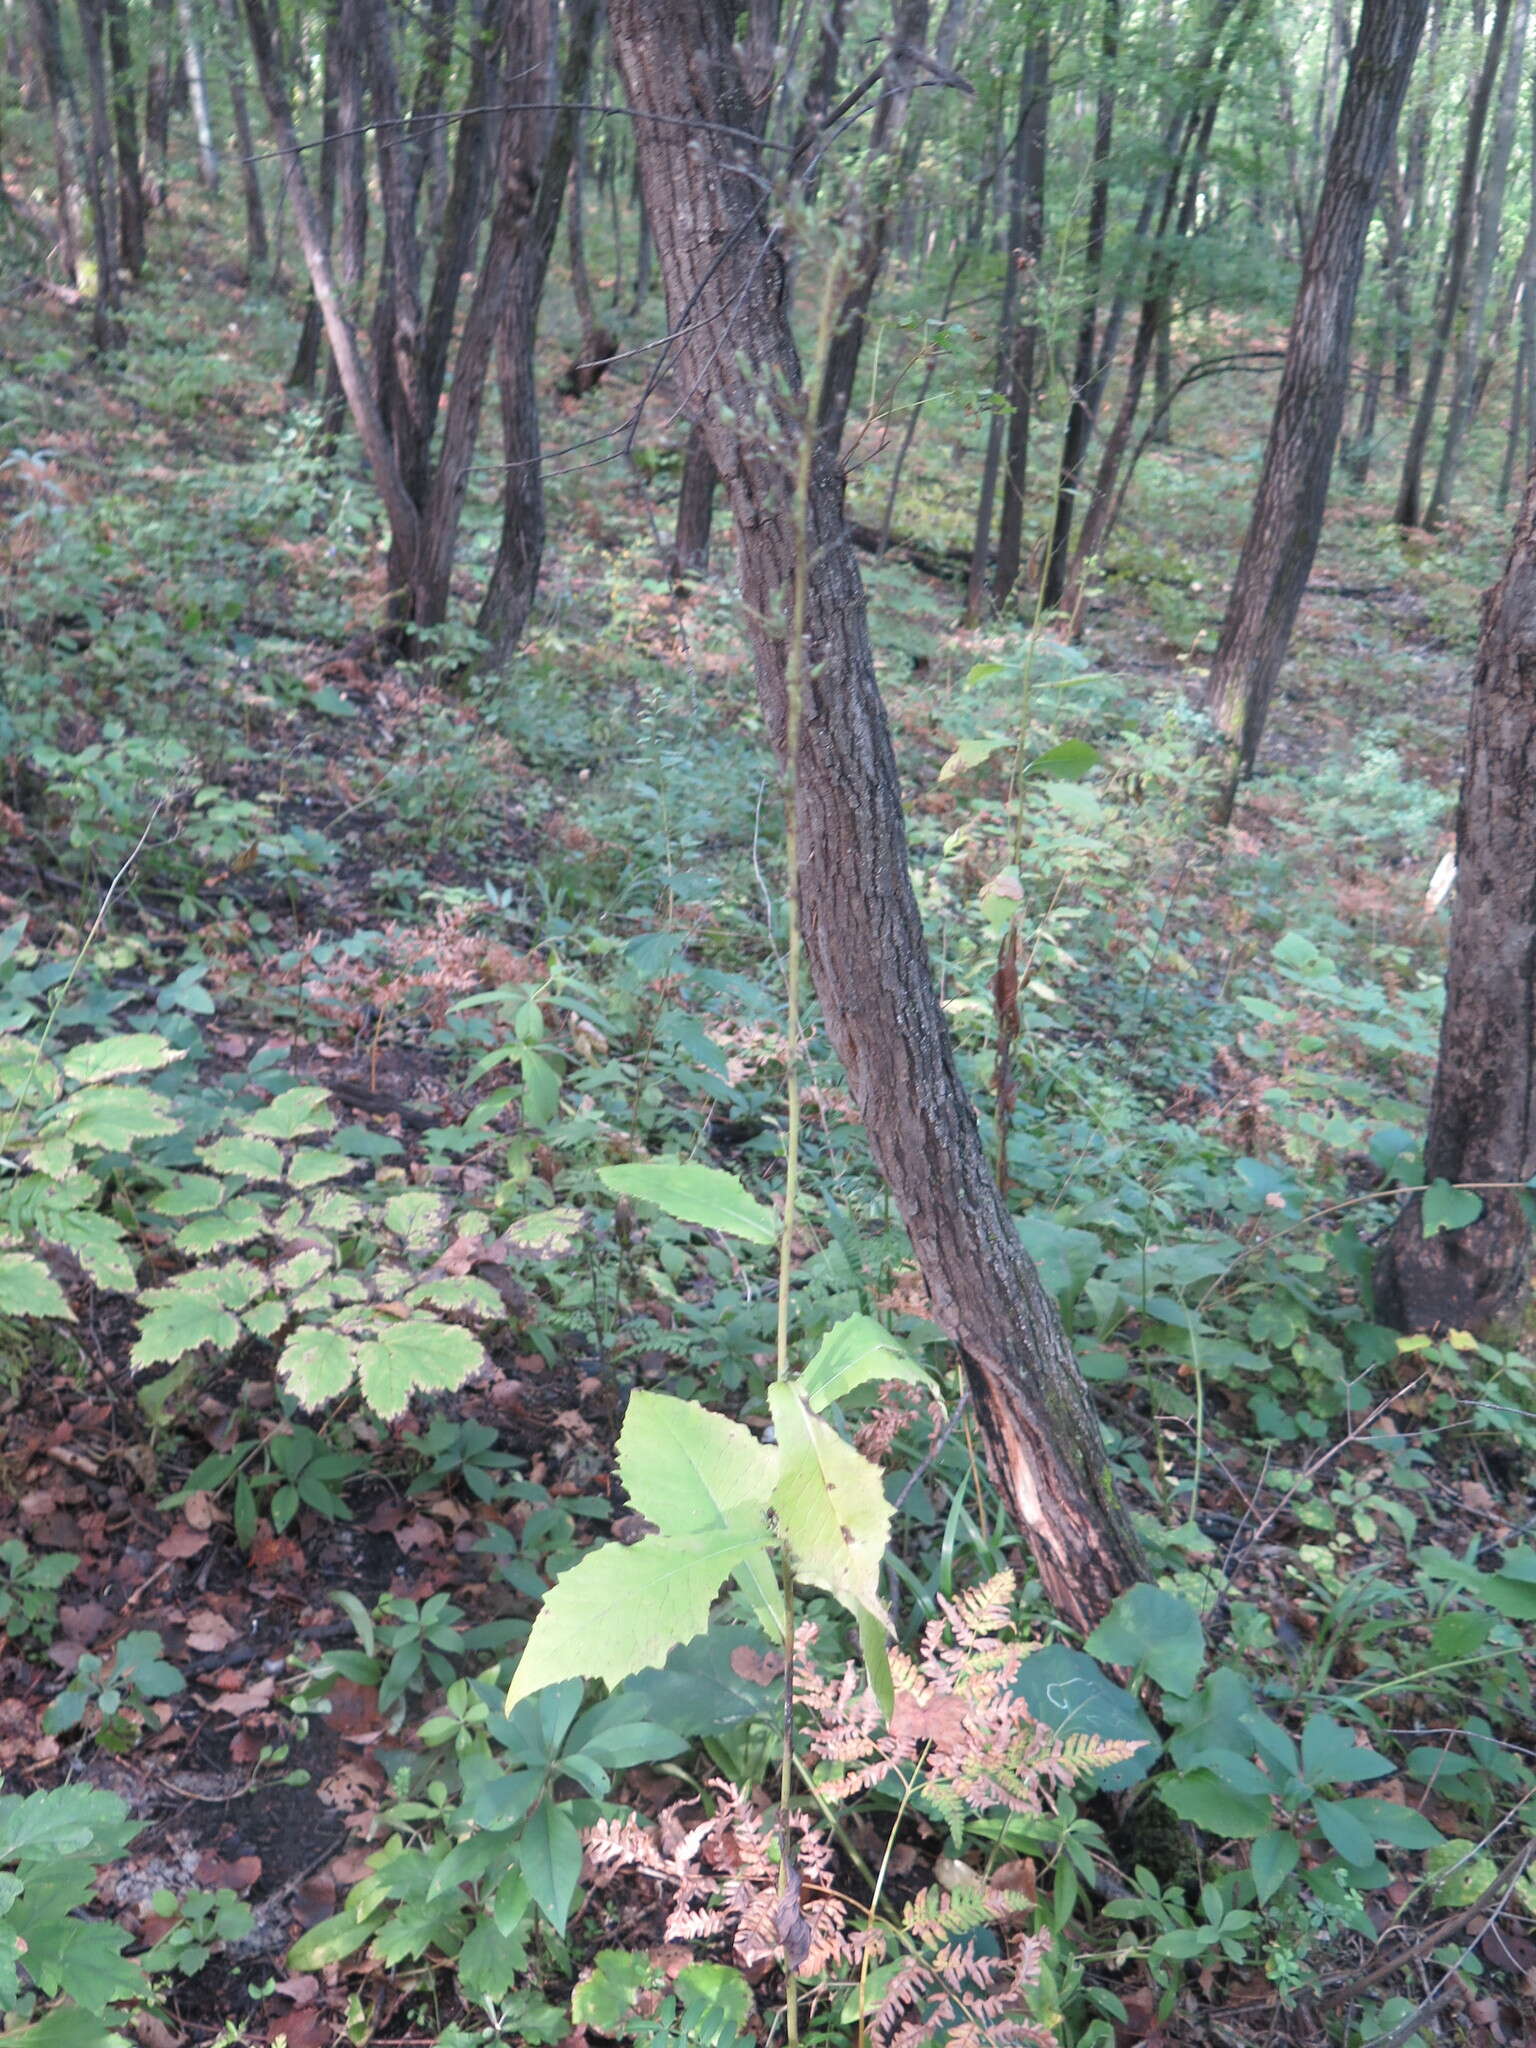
(724, 265)
(1298, 459)
(1482, 1118)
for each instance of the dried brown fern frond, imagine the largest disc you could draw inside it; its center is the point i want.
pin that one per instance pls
(966, 1999)
(960, 1733)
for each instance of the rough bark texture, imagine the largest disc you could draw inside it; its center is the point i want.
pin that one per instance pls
(1034, 110)
(695, 510)
(1298, 459)
(1482, 1119)
(514, 579)
(725, 279)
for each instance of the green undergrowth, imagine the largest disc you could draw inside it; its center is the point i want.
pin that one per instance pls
(541, 915)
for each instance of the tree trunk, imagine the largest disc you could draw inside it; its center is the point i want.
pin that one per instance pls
(724, 271)
(868, 228)
(399, 507)
(1490, 220)
(157, 98)
(1482, 1118)
(1298, 459)
(695, 510)
(1090, 366)
(68, 135)
(1463, 226)
(130, 184)
(257, 247)
(197, 89)
(101, 185)
(1034, 113)
(514, 578)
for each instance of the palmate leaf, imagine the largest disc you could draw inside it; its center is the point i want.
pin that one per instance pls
(27, 1288)
(406, 1357)
(178, 1325)
(830, 1503)
(316, 1366)
(106, 1059)
(622, 1610)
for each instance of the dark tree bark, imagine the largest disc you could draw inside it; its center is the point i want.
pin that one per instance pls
(1090, 366)
(695, 509)
(1463, 231)
(1482, 1118)
(157, 95)
(724, 271)
(1015, 337)
(306, 356)
(1034, 114)
(125, 129)
(514, 578)
(101, 183)
(1287, 516)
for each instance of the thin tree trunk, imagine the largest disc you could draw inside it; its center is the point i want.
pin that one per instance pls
(724, 279)
(1517, 439)
(306, 357)
(1298, 459)
(915, 412)
(1027, 333)
(1017, 336)
(1490, 220)
(1482, 1117)
(400, 509)
(197, 89)
(257, 246)
(1463, 225)
(1090, 367)
(125, 128)
(101, 184)
(157, 96)
(514, 578)
(1355, 454)
(69, 144)
(866, 232)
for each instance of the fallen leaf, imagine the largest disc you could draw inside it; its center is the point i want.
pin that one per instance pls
(239, 1876)
(183, 1541)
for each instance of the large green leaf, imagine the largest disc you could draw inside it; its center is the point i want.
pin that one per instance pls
(1154, 1632)
(316, 1366)
(1068, 1692)
(27, 1288)
(621, 1609)
(854, 1352)
(1444, 1207)
(830, 1503)
(549, 1857)
(1201, 1796)
(408, 1357)
(703, 1195)
(105, 1059)
(686, 1468)
(113, 1118)
(1330, 1755)
(175, 1326)
(1511, 1589)
(296, 1113)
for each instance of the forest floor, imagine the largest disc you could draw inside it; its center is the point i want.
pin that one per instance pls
(298, 862)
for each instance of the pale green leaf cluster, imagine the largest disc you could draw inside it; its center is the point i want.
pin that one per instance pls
(723, 1503)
